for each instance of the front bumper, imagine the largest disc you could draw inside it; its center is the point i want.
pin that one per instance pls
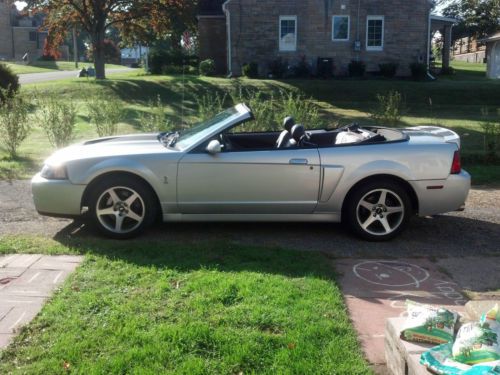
(440, 196)
(58, 198)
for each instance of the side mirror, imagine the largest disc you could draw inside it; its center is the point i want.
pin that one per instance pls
(214, 147)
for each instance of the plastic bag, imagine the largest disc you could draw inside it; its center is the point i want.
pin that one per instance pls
(479, 341)
(434, 325)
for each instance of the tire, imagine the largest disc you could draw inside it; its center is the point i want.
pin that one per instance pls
(378, 210)
(122, 207)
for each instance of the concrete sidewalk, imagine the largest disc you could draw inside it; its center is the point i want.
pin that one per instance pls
(375, 290)
(26, 282)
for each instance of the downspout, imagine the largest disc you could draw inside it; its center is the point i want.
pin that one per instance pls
(228, 32)
(431, 77)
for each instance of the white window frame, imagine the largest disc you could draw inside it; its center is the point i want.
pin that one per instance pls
(348, 28)
(375, 18)
(286, 48)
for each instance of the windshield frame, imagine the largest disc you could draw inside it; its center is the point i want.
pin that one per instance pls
(241, 113)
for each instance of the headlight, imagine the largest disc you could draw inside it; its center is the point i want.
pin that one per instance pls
(53, 172)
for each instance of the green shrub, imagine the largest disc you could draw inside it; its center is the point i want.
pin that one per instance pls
(302, 109)
(207, 67)
(418, 71)
(160, 58)
(302, 69)
(388, 70)
(278, 68)
(388, 112)
(9, 82)
(251, 70)
(210, 105)
(357, 68)
(57, 117)
(491, 135)
(156, 120)
(14, 124)
(449, 71)
(105, 112)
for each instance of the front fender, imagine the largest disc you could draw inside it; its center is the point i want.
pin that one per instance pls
(86, 173)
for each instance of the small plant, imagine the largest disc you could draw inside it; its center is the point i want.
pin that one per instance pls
(207, 67)
(278, 68)
(251, 70)
(209, 105)
(388, 70)
(57, 117)
(105, 113)
(388, 112)
(14, 124)
(302, 109)
(9, 82)
(357, 68)
(418, 71)
(156, 120)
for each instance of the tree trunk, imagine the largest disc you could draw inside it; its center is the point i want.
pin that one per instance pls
(98, 52)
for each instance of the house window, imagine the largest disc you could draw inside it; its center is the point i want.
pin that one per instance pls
(288, 33)
(375, 33)
(33, 36)
(340, 28)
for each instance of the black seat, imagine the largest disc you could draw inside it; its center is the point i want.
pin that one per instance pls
(300, 136)
(286, 136)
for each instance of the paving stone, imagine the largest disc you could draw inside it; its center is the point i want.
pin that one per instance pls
(473, 273)
(4, 310)
(20, 260)
(17, 317)
(5, 339)
(475, 309)
(63, 262)
(5, 259)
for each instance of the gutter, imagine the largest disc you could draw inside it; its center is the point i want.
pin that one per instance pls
(228, 32)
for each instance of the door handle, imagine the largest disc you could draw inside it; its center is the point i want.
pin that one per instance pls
(299, 161)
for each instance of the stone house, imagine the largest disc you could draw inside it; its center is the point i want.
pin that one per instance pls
(236, 32)
(19, 34)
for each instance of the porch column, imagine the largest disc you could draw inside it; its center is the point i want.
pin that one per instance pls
(446, 46)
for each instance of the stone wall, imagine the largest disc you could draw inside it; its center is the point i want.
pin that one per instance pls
(212, 40)
(255, 29)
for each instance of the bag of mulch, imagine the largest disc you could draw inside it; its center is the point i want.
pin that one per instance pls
(433, 325)
(439, 360)
(479, 342)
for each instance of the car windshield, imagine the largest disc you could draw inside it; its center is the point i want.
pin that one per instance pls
(188, 137)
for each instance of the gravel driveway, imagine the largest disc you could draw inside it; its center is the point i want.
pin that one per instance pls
(473, 232)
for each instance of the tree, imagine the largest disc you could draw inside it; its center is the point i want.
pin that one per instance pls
(130, 17)
(477, 18)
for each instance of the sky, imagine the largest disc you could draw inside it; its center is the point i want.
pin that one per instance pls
(20, 4)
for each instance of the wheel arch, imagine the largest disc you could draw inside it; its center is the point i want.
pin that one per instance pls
(379, 178)
(108, 175)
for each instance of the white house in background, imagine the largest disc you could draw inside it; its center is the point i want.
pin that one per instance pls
(493, 55)
(133, 55)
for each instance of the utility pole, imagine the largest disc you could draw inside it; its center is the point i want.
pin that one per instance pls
(75, 47)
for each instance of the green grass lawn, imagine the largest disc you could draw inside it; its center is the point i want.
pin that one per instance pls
(50, 66)
(148, 307)
(454, 101)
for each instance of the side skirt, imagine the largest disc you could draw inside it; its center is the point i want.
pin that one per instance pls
(322, 217)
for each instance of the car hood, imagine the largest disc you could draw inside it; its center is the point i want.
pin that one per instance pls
(123, 145)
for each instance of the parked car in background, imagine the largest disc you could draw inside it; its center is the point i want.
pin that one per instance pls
(373, 178)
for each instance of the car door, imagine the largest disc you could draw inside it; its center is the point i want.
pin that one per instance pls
(249, 182)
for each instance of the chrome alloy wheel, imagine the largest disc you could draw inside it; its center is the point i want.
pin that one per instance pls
(380, 212)
(120, 209)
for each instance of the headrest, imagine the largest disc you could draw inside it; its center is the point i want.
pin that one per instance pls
(288, 122)
(298, 131)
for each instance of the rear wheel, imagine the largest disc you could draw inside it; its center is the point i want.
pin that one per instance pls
(378, 211)
(122, 207)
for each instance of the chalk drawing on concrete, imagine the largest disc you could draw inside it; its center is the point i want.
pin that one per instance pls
(391, 273)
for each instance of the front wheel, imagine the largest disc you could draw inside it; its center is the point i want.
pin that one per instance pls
(378, 211)
(122, 207)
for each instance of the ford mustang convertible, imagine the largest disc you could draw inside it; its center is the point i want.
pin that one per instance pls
(372, 178)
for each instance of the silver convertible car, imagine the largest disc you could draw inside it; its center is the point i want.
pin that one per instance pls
(372, 178)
